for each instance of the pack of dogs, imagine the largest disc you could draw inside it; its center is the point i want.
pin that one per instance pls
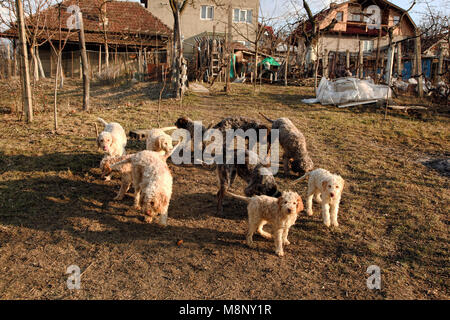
(149, 175)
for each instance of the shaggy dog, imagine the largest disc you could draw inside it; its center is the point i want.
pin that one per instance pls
(125, 173)
(152, 182)
(158, 140)
(327, 189)
(234, 123)
(112, 140)
(260, 180)
(281, 213)
(294, 146)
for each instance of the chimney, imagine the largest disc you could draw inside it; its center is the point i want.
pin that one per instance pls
(333, 4)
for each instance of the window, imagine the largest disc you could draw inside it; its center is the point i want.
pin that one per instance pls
(356, 17)
(339, 16)
(207, 13)
(368, 45)
(396, 20)
(242, 15)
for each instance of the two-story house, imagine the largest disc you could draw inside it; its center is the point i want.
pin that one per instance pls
(203, 16)
(359, 26)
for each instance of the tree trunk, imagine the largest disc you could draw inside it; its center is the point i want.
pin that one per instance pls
(41, 68)
(8, 60)
(84, 64)
(26, 87)
(55, 96)
(230, 51)
(287, 63)
(34, 63)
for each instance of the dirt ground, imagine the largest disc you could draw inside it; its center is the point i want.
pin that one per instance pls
(56, 211)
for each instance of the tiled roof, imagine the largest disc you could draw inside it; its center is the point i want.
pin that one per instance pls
(126, 19)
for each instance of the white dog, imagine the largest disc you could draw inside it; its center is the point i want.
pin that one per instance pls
(280, 212)
(327, 189)
(158, 140)
(112, 140)
(152, 182)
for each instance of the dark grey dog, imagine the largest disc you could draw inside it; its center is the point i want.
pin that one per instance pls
(294, 145)
(260, 181)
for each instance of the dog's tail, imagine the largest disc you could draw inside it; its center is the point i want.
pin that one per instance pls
(102, 121)
(246, 199)
(302, 177)
(126, 159)
(265, 117)
(167, 129)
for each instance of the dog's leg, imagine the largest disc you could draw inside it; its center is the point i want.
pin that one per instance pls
(286, 165)
(318, 197)
(261, 231)
(285, 236)
(124, 187)
(309, 201)
(163, 218)
(334, 213)
(278, 236)
(252, 226)
(326, 214)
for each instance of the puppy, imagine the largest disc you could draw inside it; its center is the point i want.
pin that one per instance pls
(112, 140)
(327, 189)
(158, 140)
(125, 173)
(152, 182)
(281, 213)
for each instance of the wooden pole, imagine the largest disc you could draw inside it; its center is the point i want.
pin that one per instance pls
(84, 64)
(26, 87)
(325, 64)
(399, 60)
(8, 60)
(229, 55)
(99, 59)
(440, 64)
(419, 64)
(347, 59)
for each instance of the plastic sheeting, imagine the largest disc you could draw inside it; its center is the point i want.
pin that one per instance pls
(345, 90)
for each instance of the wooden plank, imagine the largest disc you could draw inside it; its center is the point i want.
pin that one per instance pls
(357, 103)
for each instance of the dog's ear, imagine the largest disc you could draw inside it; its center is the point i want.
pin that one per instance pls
(158, 144)
(342, 183)
(280, 199)
(324, 185)
(299, 204)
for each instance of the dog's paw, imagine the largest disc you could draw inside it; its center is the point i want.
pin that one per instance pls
(108, 178)
(309, 212)
(148, 219)
(335, 224)
(250, 243)
(286, 243)
(327, 223)
(118, 197)
(279, 253)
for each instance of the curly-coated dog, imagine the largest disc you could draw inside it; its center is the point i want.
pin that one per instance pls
(125, 173)
(281, 213)
(294, 145)
(152, 182)
(112, 140)
(327, 190)
(159, 141)
(260, 180)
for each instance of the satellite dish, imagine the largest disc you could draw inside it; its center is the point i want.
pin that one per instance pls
(373, 17)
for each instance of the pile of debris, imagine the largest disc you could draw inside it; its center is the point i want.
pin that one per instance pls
(349, 91)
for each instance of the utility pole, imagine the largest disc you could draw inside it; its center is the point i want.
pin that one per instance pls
(230, 52)
(26, 86)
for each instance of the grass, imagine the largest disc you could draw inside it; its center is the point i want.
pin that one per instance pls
(55, 210)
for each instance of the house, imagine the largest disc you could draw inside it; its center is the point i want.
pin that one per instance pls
(208, 16)
(352, 32)
(126, 29)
